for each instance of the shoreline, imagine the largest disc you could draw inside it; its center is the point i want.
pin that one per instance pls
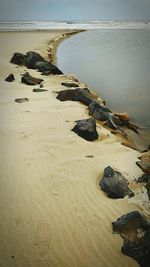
(54, 43)
(53, 211)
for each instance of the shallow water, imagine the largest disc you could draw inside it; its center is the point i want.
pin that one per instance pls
(114, 63)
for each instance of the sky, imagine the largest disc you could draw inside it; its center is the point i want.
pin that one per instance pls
(74, 9)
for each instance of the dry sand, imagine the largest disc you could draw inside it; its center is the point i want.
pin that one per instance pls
(52, 211)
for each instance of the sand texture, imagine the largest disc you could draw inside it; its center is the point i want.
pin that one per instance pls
(52, 210)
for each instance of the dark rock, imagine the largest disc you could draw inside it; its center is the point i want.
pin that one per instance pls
(86, 129)
(114, 184)
(69, 84)
(18, 59)
(29, 80)
(31, 59)
(10, 78)
(82, 95)
(41, 85)
(47, 68)
(99, 112)
(38, 90)
(21, 100)
(135, 232)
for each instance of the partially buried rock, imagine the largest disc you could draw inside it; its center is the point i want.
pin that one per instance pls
(69, 84)
(86, 129)
(38, 90)
(10, 78)
(21, 100)
(135, 232)
(29, 80)
(114, 184)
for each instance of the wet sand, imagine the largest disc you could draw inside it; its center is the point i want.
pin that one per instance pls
(53, 212)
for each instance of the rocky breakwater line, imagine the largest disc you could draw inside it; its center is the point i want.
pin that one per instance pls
(113, 183)
(97, 109)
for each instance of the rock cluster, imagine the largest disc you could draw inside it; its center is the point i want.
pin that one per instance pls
(33, 60)
(96, 108)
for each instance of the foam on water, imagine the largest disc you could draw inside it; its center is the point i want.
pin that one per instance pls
(50, 24)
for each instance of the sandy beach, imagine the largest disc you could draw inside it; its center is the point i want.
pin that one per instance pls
(53, 212)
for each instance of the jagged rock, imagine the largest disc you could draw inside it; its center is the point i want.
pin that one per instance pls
(47, 68)
(31, 59)
(10, 78)
(86, 129)
(114, 184)
(102, 113)
(135, 232)
(18, 59)
(69, 84)
(82, 95)
(99, 112)
(29, 80)
(144, 162)
(21, 100)
(38, 90)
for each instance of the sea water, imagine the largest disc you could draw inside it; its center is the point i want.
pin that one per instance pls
(116, 65)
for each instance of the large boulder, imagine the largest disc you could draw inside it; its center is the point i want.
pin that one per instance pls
(82, 95)
(18, 59)
(135, 232)
(47, 68)
(31, 59)
(10, 78)
(29, 80)
(114, 184)
(86, 129)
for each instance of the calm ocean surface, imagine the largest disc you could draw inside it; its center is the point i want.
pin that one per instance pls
(115, 64)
